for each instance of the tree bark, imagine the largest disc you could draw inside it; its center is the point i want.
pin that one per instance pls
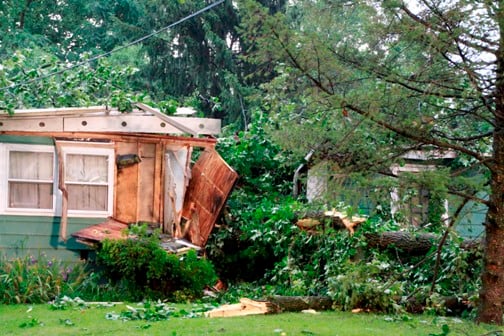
(413, 244)
(492, 279)
(299, 303)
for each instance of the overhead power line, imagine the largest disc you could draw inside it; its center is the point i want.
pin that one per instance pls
(92, 59)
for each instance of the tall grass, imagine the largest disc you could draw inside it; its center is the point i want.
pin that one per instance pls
(38, 279)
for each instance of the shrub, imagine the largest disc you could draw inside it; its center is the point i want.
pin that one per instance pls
(145, 271)
(37, 280)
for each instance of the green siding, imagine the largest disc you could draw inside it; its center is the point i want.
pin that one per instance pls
(35, 235)
(29, 140)
(470, 224)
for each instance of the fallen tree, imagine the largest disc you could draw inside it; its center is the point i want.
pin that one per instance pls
(408, 242)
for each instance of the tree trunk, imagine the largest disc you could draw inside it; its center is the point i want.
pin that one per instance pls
(414, 244)
(299, 303)
(492, 278)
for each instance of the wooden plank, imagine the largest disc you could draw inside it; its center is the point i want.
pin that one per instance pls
(158, 200)
(36, 125)
(171, 121)
(109, 229)
(146, 182)
(126, 186)
(122, 136)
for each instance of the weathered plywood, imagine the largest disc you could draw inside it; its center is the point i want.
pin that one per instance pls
(126, 190)
(211, 182)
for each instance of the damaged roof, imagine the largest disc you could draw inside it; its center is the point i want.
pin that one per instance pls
(143, 119)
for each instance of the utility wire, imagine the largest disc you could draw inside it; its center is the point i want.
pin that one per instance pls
(141, 39)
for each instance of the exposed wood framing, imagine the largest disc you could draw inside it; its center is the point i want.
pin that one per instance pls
(158, 201)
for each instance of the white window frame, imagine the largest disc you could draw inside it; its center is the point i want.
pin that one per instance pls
(67, 147)
(413, 168)
(94, 149)
(5, 150)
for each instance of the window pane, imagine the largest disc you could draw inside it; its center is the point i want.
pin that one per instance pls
(87, 197)
(86, 168)
(30, 195)
(31, 165)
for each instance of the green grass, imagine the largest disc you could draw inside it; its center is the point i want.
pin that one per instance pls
(41, 320)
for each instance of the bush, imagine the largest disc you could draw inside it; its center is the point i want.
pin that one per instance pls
(37, 280)
(143, 270)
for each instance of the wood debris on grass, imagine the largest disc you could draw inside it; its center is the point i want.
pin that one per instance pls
(273, 305)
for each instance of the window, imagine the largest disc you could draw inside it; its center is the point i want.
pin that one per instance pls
(89, 178)
(29, 174)
(29, 178)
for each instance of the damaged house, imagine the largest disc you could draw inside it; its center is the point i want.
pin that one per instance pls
(72, 177)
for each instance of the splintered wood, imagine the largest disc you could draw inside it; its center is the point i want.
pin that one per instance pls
(335, 218)
(245, 307)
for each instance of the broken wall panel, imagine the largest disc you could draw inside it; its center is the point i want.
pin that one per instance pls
(211, 182)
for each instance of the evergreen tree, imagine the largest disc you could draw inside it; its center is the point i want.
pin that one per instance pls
(363, 82)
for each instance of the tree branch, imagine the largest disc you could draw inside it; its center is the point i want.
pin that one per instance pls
(442, 242)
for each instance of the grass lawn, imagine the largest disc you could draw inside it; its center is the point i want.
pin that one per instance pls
(41, 320)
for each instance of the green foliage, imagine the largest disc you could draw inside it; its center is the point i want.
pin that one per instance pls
(259, 213)
(26, 82)
(156, 311)
(145, 270)
(363, 285)
(37, 280)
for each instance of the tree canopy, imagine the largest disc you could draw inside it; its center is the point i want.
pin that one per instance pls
(363, 82)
